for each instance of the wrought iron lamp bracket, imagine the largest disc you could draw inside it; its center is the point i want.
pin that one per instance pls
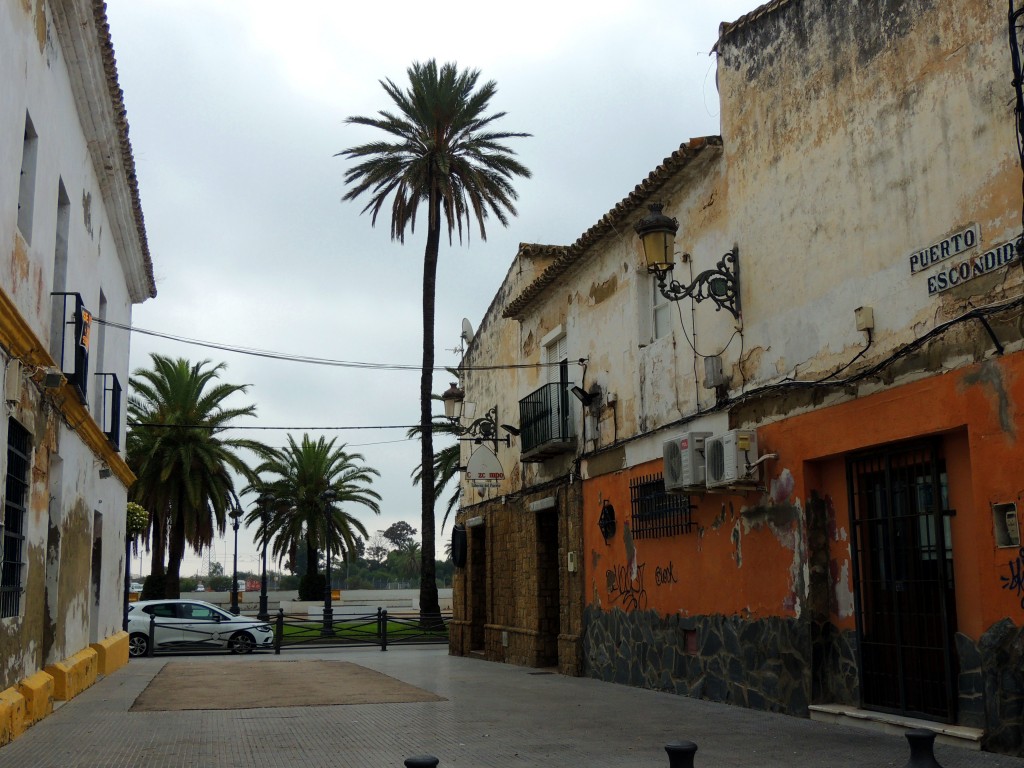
(484, 429)
(720, 285)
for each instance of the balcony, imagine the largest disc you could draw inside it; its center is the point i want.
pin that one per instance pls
(69, 343)
(109, 416)
(546, 424)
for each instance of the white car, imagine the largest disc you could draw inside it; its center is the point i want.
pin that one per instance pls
(193, 625)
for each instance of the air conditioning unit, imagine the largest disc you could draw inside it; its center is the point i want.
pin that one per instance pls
(684, 461)
(727, 457)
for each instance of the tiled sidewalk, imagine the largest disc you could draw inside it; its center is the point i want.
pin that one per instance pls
(492, 715)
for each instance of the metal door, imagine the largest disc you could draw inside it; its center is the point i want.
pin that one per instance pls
(903, 574)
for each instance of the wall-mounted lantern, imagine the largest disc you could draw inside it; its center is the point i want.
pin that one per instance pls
(657, 233)
(607, 521)
(479, 430)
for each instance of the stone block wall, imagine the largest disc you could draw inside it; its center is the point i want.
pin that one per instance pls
(533, 603)
(991, 686)
(762, 664)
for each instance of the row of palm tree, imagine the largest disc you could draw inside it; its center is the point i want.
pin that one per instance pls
(187, 468)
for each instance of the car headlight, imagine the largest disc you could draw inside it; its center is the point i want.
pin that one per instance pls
(264, 628)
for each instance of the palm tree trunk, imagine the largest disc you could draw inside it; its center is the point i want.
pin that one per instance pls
(158, 548)
(430, 608)
(175, 550)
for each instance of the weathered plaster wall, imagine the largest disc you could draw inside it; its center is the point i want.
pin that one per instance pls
(61, 613)
(856, 133)
(979, 428)
(743, 556)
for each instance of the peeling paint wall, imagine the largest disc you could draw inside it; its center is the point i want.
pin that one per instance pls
(855, 134)
(59, 613)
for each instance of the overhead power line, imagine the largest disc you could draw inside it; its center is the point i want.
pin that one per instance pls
(308, 359)
(158, 425)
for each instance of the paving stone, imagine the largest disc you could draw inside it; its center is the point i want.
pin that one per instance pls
(492, 715)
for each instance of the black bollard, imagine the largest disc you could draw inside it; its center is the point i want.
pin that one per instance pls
(680, 754)
(922, 742)
(421, 761)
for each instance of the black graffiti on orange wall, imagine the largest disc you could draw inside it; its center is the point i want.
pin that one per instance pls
(626, 585)
(1015, 581)
(665, 575)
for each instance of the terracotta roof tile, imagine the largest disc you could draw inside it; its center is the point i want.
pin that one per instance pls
(725, 28)
(106, 45)
(566, 256)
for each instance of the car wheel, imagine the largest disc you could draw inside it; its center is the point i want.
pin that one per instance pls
(138, 645)
(242, 642)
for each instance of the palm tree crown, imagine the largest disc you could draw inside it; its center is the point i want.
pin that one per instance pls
(444, 152)
(298, 476)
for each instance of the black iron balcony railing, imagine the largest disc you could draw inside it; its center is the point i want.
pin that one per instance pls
(109, 417)
(73, 347)
(545, 423)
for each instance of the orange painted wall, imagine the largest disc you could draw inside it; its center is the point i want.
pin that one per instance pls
(724, 565)
(748, 554)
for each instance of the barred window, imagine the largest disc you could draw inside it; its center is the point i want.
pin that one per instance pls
(655, 512)
(13, 530)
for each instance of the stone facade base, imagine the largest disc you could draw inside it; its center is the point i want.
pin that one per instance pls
(786, 664)
(758, 664)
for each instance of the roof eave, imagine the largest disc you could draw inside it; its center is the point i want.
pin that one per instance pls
(610, 223)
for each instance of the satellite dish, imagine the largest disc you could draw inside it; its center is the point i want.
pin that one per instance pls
(467, 331)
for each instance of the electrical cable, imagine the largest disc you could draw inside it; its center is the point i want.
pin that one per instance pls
(157, 425)
(308, 359)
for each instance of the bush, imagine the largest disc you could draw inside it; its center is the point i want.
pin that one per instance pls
(311, 586)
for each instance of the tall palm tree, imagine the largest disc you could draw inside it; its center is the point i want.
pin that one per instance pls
(297, 476)
(184, 463)
(443, 152)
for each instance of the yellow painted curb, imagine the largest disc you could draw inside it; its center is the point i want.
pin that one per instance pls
(38, 692)
(111, 652)
(12, 715)
(74, 674)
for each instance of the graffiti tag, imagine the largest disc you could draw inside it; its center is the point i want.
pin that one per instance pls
(626, 587)
(665, 575)
(1015, 581)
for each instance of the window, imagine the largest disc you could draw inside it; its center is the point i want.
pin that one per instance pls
(655, 512)
(60, 270)
(556, 360)
(661, 310)
(18, 465)
(27, 185)
(161, 610)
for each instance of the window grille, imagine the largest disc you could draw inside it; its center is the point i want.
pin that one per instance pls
(13, 532)
(656, 513)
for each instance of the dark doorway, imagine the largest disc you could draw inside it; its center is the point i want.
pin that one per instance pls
(903, 572)
(548, 596)
(477, 586)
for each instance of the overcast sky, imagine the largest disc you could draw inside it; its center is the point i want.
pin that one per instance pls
(236, 110)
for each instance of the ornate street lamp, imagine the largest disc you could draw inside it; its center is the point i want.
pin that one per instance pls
(657, 233)
(328, 497)
(235, 514)
(264, 502)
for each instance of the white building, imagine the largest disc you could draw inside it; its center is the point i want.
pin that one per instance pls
(75, 261)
